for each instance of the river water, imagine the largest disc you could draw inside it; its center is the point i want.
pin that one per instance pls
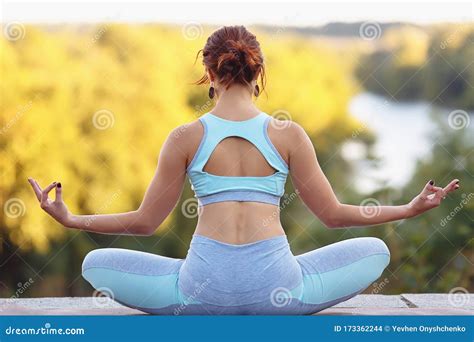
(404, 132)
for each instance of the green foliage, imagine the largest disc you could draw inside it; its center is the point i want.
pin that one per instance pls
(436, 66)
(438, 245)
(92, 105)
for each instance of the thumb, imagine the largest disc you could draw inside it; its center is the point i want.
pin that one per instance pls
(59, 193)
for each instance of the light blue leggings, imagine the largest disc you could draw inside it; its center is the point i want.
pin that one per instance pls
(262, 277)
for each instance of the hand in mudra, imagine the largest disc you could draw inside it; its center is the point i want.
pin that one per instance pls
(56, 209)
(431, 197)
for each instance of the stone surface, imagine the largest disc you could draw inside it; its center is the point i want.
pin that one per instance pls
(65, 306)
(375, 301)
(457, 300)
(371, 311)
(406, 304)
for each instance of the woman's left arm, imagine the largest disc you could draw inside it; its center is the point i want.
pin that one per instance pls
(159, 200)
(316, 192)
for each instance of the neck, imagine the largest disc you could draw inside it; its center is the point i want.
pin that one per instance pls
(236, 99)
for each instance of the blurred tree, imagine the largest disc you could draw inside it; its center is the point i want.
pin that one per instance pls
(90, 106)
(434, 64)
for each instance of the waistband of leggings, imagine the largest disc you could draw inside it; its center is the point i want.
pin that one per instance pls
(271, 241)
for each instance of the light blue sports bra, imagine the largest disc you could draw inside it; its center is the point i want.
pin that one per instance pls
(211, 188)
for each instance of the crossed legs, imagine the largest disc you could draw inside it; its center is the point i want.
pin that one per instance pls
(331, 274)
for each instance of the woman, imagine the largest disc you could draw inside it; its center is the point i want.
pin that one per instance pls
(239, 261)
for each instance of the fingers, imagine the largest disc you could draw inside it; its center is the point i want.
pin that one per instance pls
(45, 192)
(453, 185)
(59, 193)
(42, 194)
(36, 188)
(436, 192)
(442, 193)
(439, 195)
(429, 188)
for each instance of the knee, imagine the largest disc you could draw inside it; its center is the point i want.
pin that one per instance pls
(381, 254)
(93, 259)
(379, 247)
(373, 255)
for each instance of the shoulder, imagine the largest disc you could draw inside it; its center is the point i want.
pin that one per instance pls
(188, 131)
(286, 136)
(286, 133)
(187, 137)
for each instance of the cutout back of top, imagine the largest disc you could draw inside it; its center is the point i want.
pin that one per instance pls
(236, 156)
(237, 161)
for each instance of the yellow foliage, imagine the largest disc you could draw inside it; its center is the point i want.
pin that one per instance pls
(90, 106)
(409, 44)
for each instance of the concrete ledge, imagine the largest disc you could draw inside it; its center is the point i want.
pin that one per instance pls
(438, 304)
(406, 304)
(65, 306)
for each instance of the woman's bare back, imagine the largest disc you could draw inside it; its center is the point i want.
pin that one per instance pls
(232, 221)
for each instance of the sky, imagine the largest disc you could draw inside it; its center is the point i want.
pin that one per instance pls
(302, 13)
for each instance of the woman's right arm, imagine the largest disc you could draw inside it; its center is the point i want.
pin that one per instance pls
(159, 200)
(316, 192)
